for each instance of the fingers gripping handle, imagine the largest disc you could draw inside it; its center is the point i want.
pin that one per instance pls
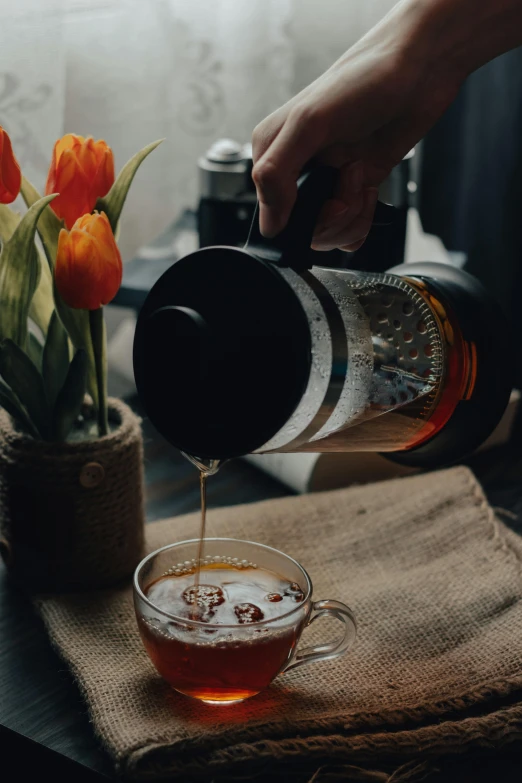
(329, 650)
(314, 187)
(292, 246)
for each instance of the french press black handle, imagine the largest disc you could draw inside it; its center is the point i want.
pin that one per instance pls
(291, 247)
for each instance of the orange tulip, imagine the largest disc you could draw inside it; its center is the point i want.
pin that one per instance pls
(81, 171)
(10, 174)
(88, 267)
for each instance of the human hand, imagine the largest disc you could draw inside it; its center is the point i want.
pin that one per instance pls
(361, 116)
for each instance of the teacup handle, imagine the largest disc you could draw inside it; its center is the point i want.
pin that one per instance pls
(326, 652)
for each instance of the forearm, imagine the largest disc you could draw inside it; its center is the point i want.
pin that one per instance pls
(461, 35)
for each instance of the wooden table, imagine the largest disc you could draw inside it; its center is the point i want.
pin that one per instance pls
(44, 727)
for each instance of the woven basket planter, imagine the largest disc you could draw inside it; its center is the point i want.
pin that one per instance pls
(71, 514)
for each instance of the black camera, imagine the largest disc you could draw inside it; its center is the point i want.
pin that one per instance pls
(227, 194)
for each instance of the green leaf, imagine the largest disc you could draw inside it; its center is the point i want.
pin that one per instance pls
(112, 203)
(13, 406)
(70, 399)
(35, 350)
(9, 220)
(19, 372)
(55, 363)
(49, 225)
(42, 305)
(76, 322)
(19, 275)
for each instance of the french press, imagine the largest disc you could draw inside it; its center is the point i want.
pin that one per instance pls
(262, 349)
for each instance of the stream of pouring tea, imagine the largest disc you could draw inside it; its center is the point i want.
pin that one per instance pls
(206, 468)
(202, 533)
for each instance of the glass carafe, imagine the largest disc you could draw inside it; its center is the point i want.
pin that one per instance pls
(256, 350)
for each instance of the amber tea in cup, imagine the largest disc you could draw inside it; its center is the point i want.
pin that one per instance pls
(227, 638)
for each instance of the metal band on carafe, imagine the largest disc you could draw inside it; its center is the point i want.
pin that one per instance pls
(339, 365)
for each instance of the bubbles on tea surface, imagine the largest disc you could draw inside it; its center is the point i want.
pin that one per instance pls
(203, 614)
(295, 592)
(248, 613)
(171, 627)
(207, 595)
(153, 622)
(228, 595)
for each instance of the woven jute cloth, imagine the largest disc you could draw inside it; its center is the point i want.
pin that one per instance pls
(435, 582)
(72, 514)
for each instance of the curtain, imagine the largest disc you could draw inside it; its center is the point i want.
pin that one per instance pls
(32, 80)
(132, 71)
(129, 71)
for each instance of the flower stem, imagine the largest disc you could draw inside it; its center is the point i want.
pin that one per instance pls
(97, 326)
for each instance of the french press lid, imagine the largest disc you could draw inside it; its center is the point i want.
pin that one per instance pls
(222, 350)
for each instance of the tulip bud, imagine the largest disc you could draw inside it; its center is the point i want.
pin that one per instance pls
(10, 174)
(88, 267)
(81, 171)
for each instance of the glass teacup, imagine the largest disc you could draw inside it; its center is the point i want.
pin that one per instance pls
(226, 662)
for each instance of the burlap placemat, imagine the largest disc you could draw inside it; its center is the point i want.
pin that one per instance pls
(435, 582)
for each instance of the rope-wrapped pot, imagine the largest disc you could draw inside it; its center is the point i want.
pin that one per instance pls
(71, 514)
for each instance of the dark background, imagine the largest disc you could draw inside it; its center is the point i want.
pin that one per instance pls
(470, 191)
